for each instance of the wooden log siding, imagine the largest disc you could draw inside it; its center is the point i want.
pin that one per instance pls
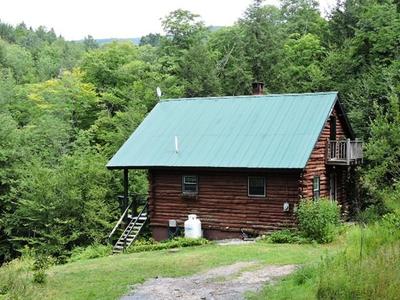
(223, 202)
(316, 165)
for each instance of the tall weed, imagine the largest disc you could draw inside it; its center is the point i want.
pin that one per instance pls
(16, 279)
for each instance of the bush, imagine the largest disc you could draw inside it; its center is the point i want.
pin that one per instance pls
(39, 276)
(286, 236)
(151, 245)
(392, 220)
(40, 266)
(318, 220)
(90, 252)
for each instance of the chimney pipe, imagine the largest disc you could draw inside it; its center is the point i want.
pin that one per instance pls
(258, 88)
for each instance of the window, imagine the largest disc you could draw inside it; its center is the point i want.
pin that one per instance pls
(256, 186)
(316, 187)
(189, 184)
(332, 126)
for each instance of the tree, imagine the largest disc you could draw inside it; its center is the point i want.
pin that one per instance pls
(67, 98)
(261, 28)
(18, 60)
(383, 151)
(9, 165)
(183, 28)
(90, 43)
(63, 207)
(199, 73)
(233, 70)
(152, 39)
(303, 17)
(300, 69)
(101, 65)
(377, 35)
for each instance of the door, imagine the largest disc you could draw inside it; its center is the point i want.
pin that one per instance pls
(333, 186)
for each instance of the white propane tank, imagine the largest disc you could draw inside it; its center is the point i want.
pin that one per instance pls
(193, 227)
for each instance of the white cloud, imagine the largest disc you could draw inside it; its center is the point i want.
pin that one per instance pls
(75, 19)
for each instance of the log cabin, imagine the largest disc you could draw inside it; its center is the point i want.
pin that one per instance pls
(240, 163)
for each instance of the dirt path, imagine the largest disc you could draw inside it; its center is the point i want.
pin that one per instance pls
(227, 282)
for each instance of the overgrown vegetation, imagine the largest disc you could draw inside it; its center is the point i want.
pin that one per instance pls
(367, 268)
(151, 245)
(16, 279)
(66, 107)
(90, 252)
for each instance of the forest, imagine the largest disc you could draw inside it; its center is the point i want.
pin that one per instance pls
(66, 107)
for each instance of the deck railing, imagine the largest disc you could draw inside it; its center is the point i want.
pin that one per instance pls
(344, 152)
(137, 200)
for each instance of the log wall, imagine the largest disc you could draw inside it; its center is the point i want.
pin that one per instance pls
(223, 202)
(316, 165)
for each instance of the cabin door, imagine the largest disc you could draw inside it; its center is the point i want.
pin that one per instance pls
(333, 185)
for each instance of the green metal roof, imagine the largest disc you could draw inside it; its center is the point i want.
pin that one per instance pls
(272, 131)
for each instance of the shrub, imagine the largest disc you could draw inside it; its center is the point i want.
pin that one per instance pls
(151, 245)
(39, 276)
(40, 266)
(90, 252)
(318, 220)
(286, 236)
(392, 220)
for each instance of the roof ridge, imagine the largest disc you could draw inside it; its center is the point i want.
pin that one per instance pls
(248, 96)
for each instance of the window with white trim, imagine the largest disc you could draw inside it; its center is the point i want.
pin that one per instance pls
(189, 184)
(256, 186)
(316, 187)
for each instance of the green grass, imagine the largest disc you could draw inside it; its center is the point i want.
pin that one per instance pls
(367, 267)
(111, 277)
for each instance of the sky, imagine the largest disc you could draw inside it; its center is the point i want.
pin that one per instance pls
(75, 19)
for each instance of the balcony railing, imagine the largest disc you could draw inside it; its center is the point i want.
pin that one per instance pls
(344, 152)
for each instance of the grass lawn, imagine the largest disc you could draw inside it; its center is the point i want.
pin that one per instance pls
(111, 277)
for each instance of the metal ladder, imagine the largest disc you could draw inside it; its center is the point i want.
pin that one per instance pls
(131, 231)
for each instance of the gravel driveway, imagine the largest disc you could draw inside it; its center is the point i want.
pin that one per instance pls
(227, 282)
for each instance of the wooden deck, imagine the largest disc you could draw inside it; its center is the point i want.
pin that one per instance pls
(344, 152)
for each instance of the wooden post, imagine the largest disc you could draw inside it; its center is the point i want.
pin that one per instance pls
(126, 186)
(135, 200)
(348, 151)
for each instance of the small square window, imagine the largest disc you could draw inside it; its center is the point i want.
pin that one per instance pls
(256, 186)
(316, 187)
(189, 184)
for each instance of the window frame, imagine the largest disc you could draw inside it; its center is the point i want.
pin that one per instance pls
(259, 195)
(318, 189)
(185, 192)
(332, 128)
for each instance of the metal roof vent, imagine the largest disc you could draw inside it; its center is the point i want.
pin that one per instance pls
(176, 144)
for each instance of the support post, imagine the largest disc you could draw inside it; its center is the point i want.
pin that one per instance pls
(126, 196)
(348, 151)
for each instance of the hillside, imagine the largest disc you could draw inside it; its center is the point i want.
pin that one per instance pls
(112, 277)
(67, 107)
(135, 40)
